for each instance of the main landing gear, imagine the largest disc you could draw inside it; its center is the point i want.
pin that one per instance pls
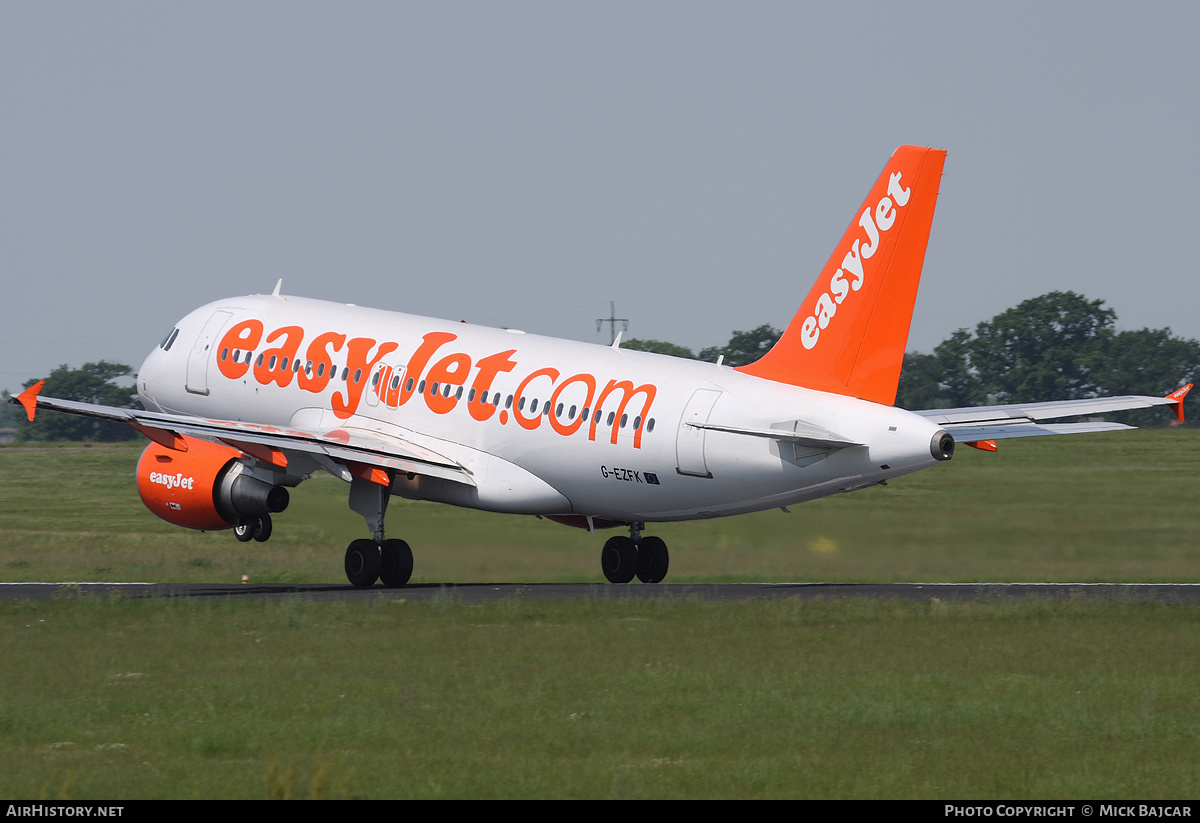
(623, 558)
(389, 561)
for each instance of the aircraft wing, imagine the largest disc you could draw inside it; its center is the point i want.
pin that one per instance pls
(343, 451)
(1027, 419)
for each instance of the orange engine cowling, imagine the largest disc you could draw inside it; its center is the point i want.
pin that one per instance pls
(205, 487)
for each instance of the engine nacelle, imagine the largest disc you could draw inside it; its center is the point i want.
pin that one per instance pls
(205, 487)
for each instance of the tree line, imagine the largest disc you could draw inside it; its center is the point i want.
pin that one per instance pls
(1060, 346)
(93, 383)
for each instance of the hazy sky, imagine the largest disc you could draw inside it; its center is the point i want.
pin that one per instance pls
(523, 164)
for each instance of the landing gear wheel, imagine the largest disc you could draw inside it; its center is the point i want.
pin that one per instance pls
(362, 563)
(258, 528)
(652, 560)
(619, 559)
(395, 563)
(262, 528)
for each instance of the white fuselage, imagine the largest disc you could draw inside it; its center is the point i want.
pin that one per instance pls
(638, 459)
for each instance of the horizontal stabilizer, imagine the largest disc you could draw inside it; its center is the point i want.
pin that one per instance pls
(985, 415)
(968, 433)
(803, 434)
(1025, 419)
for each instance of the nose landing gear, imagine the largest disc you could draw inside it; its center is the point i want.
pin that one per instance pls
(257, 528)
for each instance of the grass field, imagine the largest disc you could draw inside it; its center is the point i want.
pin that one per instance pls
(620, 699)
(1112, 507)
(117, 698)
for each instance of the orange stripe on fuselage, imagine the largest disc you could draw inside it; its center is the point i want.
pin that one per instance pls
(431, 364)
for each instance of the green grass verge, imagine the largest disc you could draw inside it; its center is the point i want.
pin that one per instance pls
(1112, 507)
(115, 698)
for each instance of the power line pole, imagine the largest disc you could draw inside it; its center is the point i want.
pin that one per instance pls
(612, 320)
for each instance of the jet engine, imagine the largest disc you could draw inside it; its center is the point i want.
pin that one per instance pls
(206, 487)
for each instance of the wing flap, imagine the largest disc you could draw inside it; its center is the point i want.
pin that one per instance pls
(355, 445)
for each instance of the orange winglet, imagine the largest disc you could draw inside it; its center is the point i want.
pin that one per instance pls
(259, 452)
(163, 437)
(983, 445)
(28, 398)
(1176, 395)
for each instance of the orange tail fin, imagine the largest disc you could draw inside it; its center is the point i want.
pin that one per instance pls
(849, 335)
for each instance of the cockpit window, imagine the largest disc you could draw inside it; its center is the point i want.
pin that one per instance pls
(165, 345)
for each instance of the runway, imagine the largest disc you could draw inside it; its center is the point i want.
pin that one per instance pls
(489, 592)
